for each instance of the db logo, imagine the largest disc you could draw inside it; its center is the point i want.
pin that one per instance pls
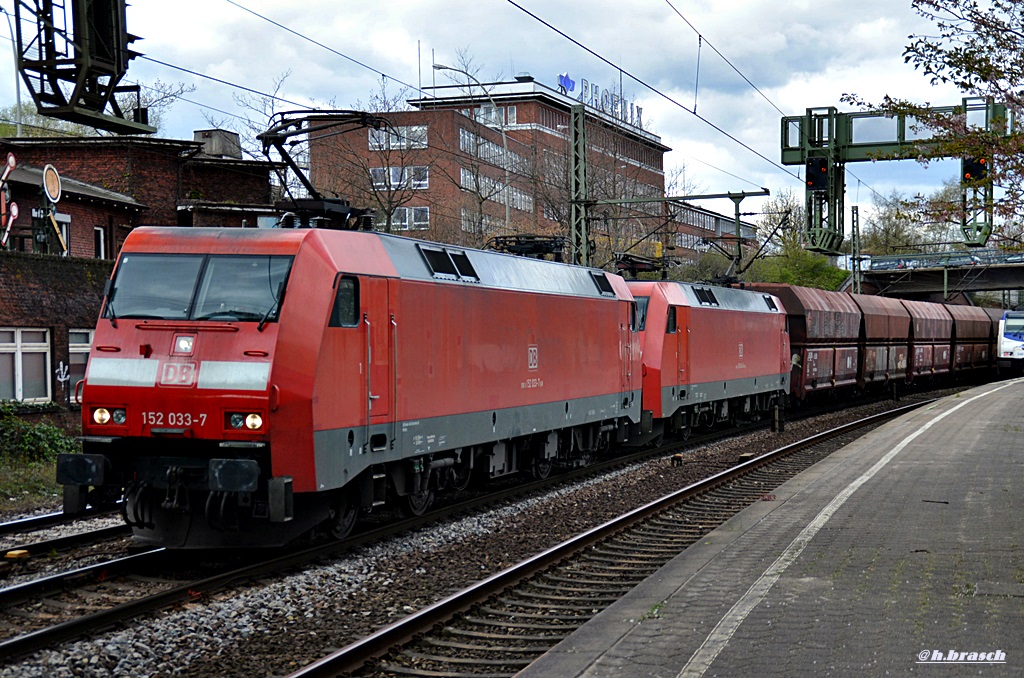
(178, 374)
(532, 358)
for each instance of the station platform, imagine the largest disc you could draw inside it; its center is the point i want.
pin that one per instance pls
(902, 553)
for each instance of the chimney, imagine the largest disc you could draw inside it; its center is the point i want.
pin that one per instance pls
(219, 143)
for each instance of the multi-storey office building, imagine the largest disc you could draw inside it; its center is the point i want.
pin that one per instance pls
(469, 162)
(483, 159)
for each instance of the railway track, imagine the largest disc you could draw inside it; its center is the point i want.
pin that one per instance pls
(32, 523)
(81, 601)
(501, 624)
(114, 592)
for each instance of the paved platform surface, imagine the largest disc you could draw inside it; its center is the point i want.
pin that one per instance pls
(899, 554)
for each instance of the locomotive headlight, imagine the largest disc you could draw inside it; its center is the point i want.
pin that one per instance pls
(252, 421)
(102, 415)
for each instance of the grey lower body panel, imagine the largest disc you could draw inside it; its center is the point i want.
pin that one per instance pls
(675, 397)
(342, 454)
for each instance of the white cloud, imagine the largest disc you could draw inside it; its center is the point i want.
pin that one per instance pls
(798, 53)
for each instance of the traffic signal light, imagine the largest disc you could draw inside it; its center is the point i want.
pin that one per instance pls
(974, 169)
(817, 174)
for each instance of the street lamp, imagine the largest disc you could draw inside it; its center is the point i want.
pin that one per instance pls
(17, 75)
(504, 138)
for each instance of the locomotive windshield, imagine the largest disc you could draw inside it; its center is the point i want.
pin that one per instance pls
(198, 287)
(1013, 326)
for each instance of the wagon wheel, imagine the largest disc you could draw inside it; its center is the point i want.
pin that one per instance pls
(343, 518)
(415, 504)
(541, 468)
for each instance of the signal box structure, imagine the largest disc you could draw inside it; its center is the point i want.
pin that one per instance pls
(73, 56)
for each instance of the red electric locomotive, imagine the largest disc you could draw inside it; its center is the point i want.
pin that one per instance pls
(249, 385)
(710, 354)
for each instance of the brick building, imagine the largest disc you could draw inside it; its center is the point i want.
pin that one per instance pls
(491, 159)
(52, 278)
(485, 159)
(204, 182)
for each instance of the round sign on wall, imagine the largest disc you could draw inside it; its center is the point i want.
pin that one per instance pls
(51, 183)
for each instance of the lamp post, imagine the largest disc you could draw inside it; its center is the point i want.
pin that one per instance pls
(504, 137)
(17, 76)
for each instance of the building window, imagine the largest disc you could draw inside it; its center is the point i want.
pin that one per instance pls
(490, 189)
(79, 342)
(99, 237)
(407, 219)
(384, 178)
(510, 114)
(24, 364)
(408, 136)
(481, 224)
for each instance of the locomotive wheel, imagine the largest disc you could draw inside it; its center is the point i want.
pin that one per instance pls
(415, 504)
(459, 477)
(343, 518)
(541, 468)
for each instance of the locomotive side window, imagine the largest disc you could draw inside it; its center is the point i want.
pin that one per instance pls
(670, 326)
(705, 296)
(462, 263)
(230, 288)
(453, 263)
(641, 312)
(346, 303)
(439, 262)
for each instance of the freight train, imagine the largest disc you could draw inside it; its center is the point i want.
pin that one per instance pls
(250, 386)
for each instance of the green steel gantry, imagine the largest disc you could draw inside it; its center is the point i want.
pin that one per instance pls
(824, 140)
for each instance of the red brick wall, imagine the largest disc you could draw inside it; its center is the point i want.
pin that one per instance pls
(84, 220)
(227, 183)
(147, 175)
(54, 293)
(156, 175)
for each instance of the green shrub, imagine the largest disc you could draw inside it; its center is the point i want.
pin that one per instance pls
(24, 441)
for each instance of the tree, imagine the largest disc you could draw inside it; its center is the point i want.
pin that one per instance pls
(258, 112)
(34, 124)
(387, 180)
(157, 97)
(891, 227)
(485, 170)
(979, 49)
(782, 257)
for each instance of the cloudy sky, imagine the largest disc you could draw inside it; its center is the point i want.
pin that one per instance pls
(756, 58)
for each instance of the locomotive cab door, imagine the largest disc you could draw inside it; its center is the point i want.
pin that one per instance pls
(379, 328)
